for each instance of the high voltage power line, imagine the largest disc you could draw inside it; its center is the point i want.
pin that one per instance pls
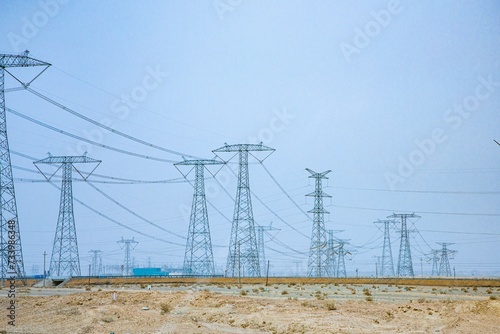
(105, 127)
(111, 148)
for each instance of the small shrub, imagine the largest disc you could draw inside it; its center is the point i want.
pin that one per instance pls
(330, 306)
(284, 292)
(165, 308)
(243, 292)
(493, 298)
(367, 292)
(369, 299)
(421, 300)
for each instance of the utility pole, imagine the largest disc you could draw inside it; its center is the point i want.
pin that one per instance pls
(377, 260)
(9, 222)
(198, 256)
(128, 245)
(65, 261)
(44, 272)
(243, 226)
(261, 245)
(318, 251)
(387, 267)
(405, 265)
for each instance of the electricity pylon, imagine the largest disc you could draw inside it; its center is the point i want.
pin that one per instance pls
(405, 265)
(444, 262)
(341, 253)
(331, 253)
(11, 253)
(318, 252)
(198, 257)
(261, 245)
(65, 261)
(128, 245)
(96, 262)
(387, 265)
(435, 261)
(243, 252)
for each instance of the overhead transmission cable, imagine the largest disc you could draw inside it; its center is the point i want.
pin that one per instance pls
(105, 127)
(111, 148)
(125, 180)
(115, 221)
(120, 205)
(132, 212)
(270, 210)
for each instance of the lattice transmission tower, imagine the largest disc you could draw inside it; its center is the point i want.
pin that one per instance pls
(65, 261)
(341, 254)
(129, 245)
(444, 261)
(434, 257)
(198, 256)
(243, 252)
(261, 244)
(331, 259)
(405, 264)
(387, 264)
(318, 252)
(11, 259)
(96, 266)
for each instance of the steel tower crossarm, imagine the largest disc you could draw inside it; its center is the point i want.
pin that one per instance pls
(21, 60)
(243, 147)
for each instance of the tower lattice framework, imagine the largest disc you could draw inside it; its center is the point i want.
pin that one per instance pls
(198, 256)
(128, 245)
(96, 266)
(318, 251)
(65, 261)
(405, 264)
(11, 254)
(444, 261)
(243, 256)
(341, 254)
(387, 264)
(261, 245)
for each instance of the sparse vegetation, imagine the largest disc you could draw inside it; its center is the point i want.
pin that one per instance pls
(243, 292)
(369, 299)
(330, 305)
(165, 308)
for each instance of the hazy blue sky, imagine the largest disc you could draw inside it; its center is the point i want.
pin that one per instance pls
(399, 99)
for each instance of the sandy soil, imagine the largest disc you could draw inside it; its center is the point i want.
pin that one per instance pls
(256, 309)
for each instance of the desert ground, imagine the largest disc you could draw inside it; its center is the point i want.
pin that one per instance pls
(254, 308)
